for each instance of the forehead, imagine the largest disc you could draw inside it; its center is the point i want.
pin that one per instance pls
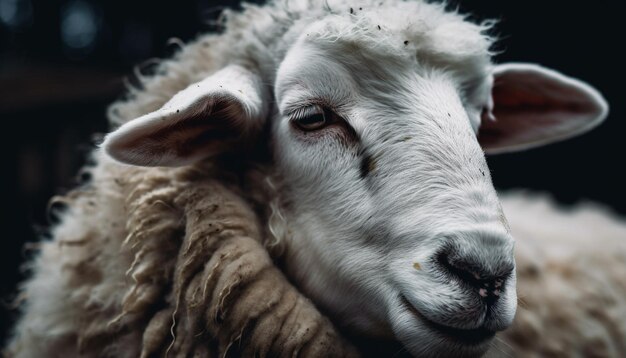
(372, 45)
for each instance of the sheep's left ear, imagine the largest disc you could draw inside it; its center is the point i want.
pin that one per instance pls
(533, 106)
(223, 112)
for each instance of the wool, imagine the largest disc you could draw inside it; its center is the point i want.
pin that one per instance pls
(571, 266)
(185, 275)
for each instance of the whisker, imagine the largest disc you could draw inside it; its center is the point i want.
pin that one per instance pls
(401, 350)
(494, 346)
(500, 349)
(522, 304)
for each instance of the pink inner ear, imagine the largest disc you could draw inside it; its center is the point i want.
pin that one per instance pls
(535, 106)
(173, 139)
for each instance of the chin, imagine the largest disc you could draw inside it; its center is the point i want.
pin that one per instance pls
(424, 338)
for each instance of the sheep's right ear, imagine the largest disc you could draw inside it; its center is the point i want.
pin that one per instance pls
(209, 117)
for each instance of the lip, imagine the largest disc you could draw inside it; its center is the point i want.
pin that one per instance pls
(467, 337)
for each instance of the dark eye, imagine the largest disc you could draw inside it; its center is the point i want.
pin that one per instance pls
(310, 118)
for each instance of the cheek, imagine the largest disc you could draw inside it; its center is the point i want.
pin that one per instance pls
(323, 178)
(315, 160)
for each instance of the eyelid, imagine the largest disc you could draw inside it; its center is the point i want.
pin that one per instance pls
(303, 112)
(296, 105)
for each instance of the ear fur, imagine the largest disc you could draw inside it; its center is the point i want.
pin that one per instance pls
(206, 118)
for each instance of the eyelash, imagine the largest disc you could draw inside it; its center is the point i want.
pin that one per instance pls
(305, 111)
(299, 116)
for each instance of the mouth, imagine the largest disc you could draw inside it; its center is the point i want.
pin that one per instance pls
(466, 337)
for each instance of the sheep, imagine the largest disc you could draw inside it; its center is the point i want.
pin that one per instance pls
(343, 146)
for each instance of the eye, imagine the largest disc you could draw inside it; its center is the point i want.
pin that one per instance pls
(310, 118)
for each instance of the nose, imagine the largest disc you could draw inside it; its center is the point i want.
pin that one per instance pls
(481, 267)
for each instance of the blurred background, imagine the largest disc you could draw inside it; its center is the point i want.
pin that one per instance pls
(63, 61)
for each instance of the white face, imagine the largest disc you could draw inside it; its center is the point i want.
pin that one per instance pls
(397, 227)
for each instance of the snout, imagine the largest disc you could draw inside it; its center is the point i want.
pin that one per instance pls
(464, 291)
(483, 272)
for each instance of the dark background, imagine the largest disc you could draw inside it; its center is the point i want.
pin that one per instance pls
(62, 62)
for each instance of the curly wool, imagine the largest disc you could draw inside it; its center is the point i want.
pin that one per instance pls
(164, 262)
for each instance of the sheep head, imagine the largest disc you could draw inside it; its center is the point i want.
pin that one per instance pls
(377, 120)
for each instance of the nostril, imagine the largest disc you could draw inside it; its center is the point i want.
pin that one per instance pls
(491, 290)
(487, 282)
